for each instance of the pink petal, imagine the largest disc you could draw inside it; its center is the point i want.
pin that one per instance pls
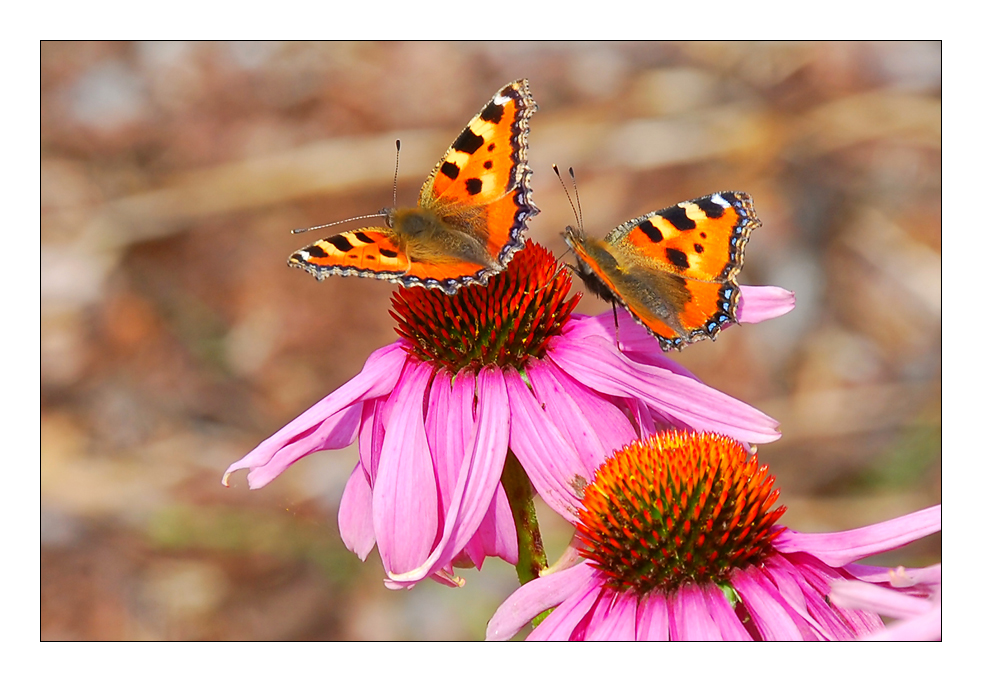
(588, 421)
(595, 363)
(634, 340)
(925, 627)
(649, 421)
(446, 578)
(898, 576)
(497, 535)
(547, 457)
(614, 618)
(567, 618)
(763, 303)
(769, 611)
(449, 428)
(853, 594)
(815, 579)
(377, 378)
(537, 596)
(652, 625)
(722, 613)
(336, 432)
(784, 576)
(405, 495)
(371, 436)
(355, 514)
(689, 616)
(477, 482)
(844, 547)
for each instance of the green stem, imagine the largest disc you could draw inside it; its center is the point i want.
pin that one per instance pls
(531, 556)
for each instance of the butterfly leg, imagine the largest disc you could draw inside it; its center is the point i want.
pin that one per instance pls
(617, 327)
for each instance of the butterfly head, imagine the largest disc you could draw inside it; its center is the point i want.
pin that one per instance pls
(591, 255)
(388, 212)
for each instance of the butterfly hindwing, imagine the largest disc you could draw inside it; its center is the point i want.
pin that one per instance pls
(370, 252)
(674, 269)
(373, 252)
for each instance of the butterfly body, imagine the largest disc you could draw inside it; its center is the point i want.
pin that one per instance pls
(674, 269)
(471, 216)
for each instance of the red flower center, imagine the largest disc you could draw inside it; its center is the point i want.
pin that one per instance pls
(678, 507)
(504, 323)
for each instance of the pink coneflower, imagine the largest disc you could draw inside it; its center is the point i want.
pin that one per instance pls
(912, 596)
(505, 368)
(681, 542)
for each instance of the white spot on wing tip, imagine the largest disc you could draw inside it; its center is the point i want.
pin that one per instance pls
(717, 199)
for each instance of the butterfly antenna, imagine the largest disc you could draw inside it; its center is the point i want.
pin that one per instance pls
(395, 176)
(576, 193)
(579, 220)
(301, 230)
(617, 328)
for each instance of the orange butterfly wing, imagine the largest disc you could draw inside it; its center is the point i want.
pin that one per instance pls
(367, 253)
(674, 269)
(482, 184)
(472, 214)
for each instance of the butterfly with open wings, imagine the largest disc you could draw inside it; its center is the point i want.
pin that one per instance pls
(674, 269)
(471, 217)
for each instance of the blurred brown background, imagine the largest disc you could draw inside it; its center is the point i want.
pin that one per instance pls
(175, 338)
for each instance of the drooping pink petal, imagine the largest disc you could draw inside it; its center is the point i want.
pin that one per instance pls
(769, 612)
(446, 578)
(844, 547)
(854, 594)
(815, 579)
(371, 435)
(587, 420)
(689, 615)
(722, 613)
(595, 363)
(828, 615)
(537, 596)
(922, 628)
(913, 597)
(763, 303)
(908, 577)
(649, 421)
(566, 620)
(630, 338)
(652, 623)
(377, 378)
(449, 428)
(782, 573)
(615, 618)
(497, 535)
(639, 410)
(404, 498)
(897, 576)
(335, 432)
(543, 452)
(355, 514)
(477, 481)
